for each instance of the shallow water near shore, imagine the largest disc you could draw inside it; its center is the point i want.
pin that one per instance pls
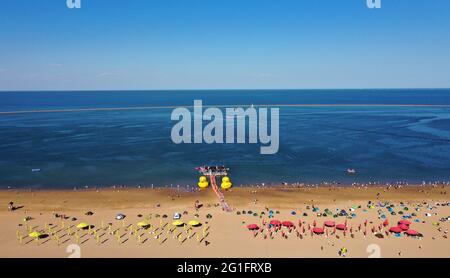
(134, 147)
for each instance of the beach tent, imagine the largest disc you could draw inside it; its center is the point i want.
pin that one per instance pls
(120, 216)
(178, 223)
(395, 230)
(252, 227)
(82, 225)
(288, 224)
(194, 223)
(143, 224)
(329, 224)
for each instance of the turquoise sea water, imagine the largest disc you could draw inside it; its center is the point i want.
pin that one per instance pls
(133, 147)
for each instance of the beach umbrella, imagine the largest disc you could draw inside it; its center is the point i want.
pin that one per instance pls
(35, 234)
(318, 231)
(275, 222)
(288, 224)
(341, 227)
(194, 223)
(379, 235)
(329, 224)
(404, 222)
(82, 225)
(395, 230)
(410, 232)
(385, 223)
(178, 223)
(143, 224)
(403, 227)
(252, 227)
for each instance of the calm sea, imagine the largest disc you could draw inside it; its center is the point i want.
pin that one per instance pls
(133, 147)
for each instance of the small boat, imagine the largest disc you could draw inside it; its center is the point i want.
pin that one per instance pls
(351, 171)
(35, 170)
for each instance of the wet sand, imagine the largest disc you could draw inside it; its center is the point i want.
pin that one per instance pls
(225, 234)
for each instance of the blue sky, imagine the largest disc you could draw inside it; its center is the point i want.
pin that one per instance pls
(217, 44)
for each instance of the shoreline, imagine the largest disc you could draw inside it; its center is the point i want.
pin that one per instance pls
(275, 196)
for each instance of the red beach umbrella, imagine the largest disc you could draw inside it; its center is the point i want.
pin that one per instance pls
(275, 222)
(341, 227)
(288, 224)
(252, 227)
(385, 223)
(329, 224)
(395, 230)
(412, 232)
(318, 231)
(404, 222)
(403, 227)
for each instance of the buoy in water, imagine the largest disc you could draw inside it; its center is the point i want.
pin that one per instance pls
(226, 183)
(203, 182)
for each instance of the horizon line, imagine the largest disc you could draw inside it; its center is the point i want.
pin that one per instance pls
(223, 89)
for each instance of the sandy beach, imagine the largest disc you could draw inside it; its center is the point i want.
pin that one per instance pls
(366, 213)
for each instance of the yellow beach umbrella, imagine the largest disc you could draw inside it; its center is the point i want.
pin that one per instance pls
(83, 225)
(178, 223)
(194, 223)
(143, 224)
(35, 234)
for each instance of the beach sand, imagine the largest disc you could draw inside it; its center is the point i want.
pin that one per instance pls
(226, 233)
